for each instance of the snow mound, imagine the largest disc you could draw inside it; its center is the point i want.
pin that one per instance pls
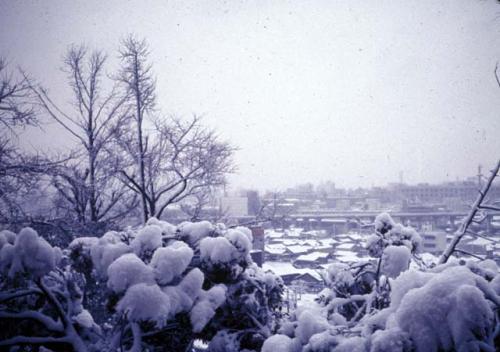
(29, 254)
(277, 343)
(128, 270)
(240, 241)
(85, 242)
(352, 344)
(7, 236)
(448, 312)
(184, 295)
(105, 252)
(156, 309)
(205, 307)
(167, 229)
(395, 260)
(170, 262)
(309, 325)
(391, 340)
(193, 232)
(246, 231)
(148, 239)
(217, 250)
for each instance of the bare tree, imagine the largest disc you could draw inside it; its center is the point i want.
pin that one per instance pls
(87, 182)
(137, 79)
(15, 99)
(19, 173)
(183, 160)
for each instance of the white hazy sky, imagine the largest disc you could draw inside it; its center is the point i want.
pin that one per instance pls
(348, 91)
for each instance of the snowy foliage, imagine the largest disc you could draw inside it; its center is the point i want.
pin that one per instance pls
(395, 260)
(29, 254)
(386, 306)
(170, 262)
(387, 233)
(147, 240)
(128, 270)
(159, 288)
(145, 302)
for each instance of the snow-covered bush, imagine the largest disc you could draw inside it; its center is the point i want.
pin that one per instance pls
(157, 287)
(383, 305)
(40, 301)
(389, 233)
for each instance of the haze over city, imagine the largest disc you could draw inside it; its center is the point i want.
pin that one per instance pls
(353, 92)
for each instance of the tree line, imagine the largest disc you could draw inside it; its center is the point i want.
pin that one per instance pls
(129, 159)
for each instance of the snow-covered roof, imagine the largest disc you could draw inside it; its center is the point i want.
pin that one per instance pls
(334, 221)
(286, 268)
(273, 234)
(299, 249)
(328, 241)
(290, 242)
(275, 248)
(346, 256)
(356, 236)
(345, 246)
(312, 257)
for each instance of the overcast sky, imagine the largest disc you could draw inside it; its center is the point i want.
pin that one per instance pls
(349, 91)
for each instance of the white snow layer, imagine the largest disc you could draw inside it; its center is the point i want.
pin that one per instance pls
(128, 270)
(205, 307)
(395, 260)
(170, 262)
(193, 232)
(29, 254)
(148, 239)
(277, 343)
(217, 250)
(447, 311)
(144, 302)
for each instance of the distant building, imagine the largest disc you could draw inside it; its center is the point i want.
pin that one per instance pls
(465, 191)
(434, 241)
(234, 206)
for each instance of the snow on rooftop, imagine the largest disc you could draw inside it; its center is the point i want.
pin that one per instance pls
(312, 257)
(299, 249)
(328, 241)
(345, 246)
(275, 249)
(334, 221)
(286, 268)
(346, 256)
(273, 234)
(356, 236)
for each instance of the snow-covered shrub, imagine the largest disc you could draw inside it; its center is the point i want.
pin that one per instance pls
(158, 286)
(383, 305)
(40, 300)
(387, 233)
(395, 260)
(147, 240)
(145, 302)
(128, 270)
(193, 232)
(30, 254)
(170, 262)
(105, 252)
(451, 307)
(225, 258)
